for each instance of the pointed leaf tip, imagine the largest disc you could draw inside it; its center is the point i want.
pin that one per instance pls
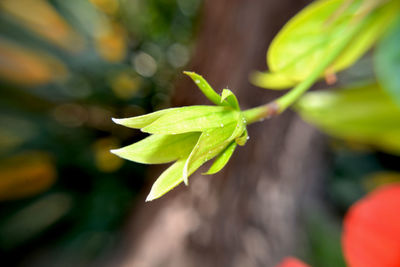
(168, 180)
(143, 120)
(114, 151)
(185, 172)
(159, 148)
(205, 87)
(230, 98)
(149, 197)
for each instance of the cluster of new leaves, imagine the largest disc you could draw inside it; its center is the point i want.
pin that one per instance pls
(324, 38)
(190, 136)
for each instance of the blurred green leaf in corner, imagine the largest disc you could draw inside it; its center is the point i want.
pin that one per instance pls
(387, 62)
(363, 114)
(315, 32)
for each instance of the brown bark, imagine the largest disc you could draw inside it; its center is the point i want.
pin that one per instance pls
(247, 215)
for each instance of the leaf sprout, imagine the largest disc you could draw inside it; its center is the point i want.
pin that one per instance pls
(188, 136)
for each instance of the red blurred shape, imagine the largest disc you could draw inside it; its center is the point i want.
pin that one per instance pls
(292, 262)
(371, 235)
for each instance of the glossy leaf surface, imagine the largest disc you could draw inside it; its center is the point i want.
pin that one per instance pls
(189, 135)
(191, 119)
(159, 148)
(142, 121)
(315, 32)
(230, 98)
(205, 87)
(169, 179)
(210, 144)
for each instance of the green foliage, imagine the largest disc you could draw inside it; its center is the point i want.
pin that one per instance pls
(141, 121)
(190, 136)
(315, 33)
(363, 114)
(159, 148)
(204, 87)
(227, 98)
(387, 62)
(191, 119)
(222, 159)
(230, 99)
(326, 37)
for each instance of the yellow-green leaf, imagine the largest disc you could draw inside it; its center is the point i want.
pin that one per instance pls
(273, 80)
(159, 148)
(315, 32)
(205, 87)
(230, 98)
(222, 159)
(169, 179)
(209, 145)
(364, 114)
(240, 127)
(142, 121)
(191, 119)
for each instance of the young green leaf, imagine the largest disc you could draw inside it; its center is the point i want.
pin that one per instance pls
(230, 98)
(363, 114)
(141, 121)
(241, 140)
(274, 80)
(190, 136)
(169, 179)
(203, 85)
(240, 127)
(159, 148)
(222, 159)
(209, 145)
(312, 35)
(191, 119)
(387, 62)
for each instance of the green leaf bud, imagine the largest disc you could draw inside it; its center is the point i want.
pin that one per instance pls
(190, 136)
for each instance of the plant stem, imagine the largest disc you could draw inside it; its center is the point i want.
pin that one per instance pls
(281, 104)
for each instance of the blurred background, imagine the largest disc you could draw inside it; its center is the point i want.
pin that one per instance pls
(68, 67)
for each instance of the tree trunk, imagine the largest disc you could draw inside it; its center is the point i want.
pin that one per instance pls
(248, 214)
